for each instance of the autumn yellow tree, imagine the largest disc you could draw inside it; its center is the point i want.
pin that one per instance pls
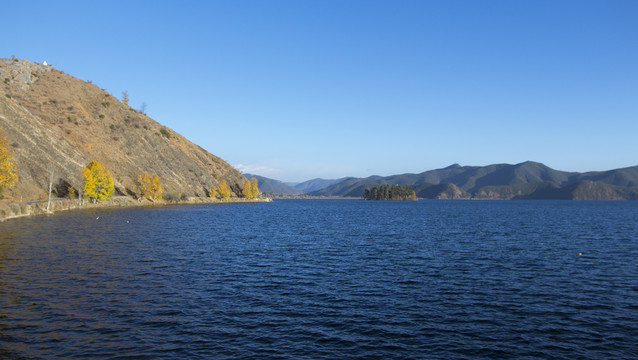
(247, 191)
(98, 183)
(223, 191)
(143, 186)
(156, 188)
(8, 169)
(212, 192)
(250, 190)
(254, 187)
(148, 187)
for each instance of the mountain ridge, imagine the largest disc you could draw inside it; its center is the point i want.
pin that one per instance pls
(529, 179)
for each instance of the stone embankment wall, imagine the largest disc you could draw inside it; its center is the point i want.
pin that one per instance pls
(16, 210)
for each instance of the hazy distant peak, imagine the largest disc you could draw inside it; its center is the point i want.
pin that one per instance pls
(316, 184)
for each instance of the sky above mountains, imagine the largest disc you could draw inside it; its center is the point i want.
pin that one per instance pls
(295, 90)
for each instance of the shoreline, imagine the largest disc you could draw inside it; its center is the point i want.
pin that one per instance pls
(9, 211)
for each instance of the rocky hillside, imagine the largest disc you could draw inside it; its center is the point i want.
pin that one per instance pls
(57, 123)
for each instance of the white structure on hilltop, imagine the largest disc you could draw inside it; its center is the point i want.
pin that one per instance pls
(44, 63)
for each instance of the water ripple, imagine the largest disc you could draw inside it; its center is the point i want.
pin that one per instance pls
(324, 280)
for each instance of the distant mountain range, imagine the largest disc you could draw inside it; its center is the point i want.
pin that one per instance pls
(316, 184)
(528, 180)
(273, 186)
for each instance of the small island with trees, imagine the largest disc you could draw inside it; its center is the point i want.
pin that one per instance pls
(387, 192)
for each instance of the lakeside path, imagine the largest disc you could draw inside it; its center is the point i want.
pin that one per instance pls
(32, 208)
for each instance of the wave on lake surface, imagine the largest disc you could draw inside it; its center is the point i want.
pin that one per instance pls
(324, 279)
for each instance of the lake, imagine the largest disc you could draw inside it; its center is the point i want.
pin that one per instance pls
(324, 279)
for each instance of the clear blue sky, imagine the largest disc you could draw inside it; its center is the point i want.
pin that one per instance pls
(300, 89)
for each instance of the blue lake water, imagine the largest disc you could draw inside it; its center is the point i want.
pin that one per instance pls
(324, 279)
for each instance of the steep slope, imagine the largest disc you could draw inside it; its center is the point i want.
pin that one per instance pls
(272, 186)
(626, 177)
(597, 190)
(57, 123)
(536, 190)
(440, 191)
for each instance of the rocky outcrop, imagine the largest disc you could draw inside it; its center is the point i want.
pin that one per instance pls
(440, 191)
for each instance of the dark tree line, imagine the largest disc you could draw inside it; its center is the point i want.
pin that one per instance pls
(387, 192)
